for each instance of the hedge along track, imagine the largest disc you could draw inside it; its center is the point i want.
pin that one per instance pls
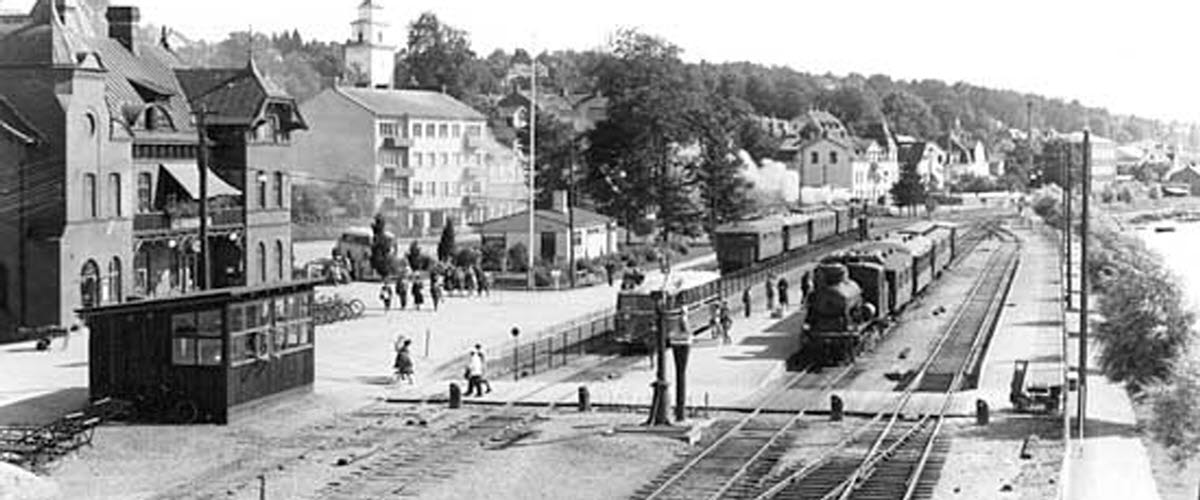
(902, 458)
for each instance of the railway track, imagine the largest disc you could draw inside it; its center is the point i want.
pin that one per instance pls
(903, 458)
(737, 464)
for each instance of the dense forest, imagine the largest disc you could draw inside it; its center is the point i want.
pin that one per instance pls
(439, 56)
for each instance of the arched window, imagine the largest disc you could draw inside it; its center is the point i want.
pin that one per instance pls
(114, 193)
(279, 259)
(114, 280)
(814, 157)
(262, 189)
(141, 272)
(89, 284)
(262, 262)
(144, 192)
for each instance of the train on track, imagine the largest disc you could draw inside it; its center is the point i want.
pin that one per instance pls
(741, 247)
(856, 291)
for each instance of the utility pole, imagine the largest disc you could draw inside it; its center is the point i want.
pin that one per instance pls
(1069, 217)
(571, 214)
(1083, 281)
(202, 164)
(532, 168)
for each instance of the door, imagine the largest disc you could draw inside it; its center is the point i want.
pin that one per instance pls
(549, 242)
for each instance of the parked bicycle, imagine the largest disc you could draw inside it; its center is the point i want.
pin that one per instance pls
(331, 308)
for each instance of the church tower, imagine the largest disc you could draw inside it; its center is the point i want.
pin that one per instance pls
(370, 60)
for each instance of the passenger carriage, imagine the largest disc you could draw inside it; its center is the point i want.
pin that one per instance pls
(637, 308)
(797, 231)
(741, 244)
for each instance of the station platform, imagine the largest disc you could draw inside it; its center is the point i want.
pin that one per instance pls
(718, 376)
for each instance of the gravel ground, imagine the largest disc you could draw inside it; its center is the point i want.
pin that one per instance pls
(570, 455)
(984, 461)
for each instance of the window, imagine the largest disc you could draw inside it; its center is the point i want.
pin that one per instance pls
(114, 193)
(814, 158)
(431, 188)
(262, 262)
(114, 280)
(417, 189)
(456, 131)
(401, 186)
(389, 129)
(445, 189)
(430, 159)
(279, 260)
(89, 196)
(389, 157)
(478, 159)
(144, 192)
(443, 131)
(430, 131)
(279, 198)
(196, 338)
(281, 135)
(473, 130)
(833, 157)
(416, 129)
(141, 272)
(262, 189)
(445, 159)
(89, 284)
(90, 123)
(417, 160)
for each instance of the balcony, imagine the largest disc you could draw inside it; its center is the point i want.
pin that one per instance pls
(472, 141)
(185, 220)
(474, 171)
(396, 142)
(390, 173)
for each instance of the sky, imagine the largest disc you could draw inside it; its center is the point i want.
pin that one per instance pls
(1130, 57)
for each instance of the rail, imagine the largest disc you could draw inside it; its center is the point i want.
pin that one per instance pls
(1002, 267)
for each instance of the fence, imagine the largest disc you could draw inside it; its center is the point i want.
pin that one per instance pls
(553, 347)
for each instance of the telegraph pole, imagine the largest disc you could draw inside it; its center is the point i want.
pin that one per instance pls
(1069, 227)
(571, 214)
(532, 168)
(202, 164)
(1083, 281)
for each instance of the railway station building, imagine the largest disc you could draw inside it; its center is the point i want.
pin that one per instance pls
(99, 177)
(595, 234)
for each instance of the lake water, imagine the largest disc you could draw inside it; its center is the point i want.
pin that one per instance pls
(1181, 251)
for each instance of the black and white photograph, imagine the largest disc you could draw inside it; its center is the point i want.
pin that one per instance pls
(416, 249)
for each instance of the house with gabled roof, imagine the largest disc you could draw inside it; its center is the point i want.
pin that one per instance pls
(595, 234)
(105, 204)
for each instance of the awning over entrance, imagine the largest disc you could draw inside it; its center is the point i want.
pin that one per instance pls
(188, 177)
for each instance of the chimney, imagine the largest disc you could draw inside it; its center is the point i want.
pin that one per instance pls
(122, 25)
(558, 201)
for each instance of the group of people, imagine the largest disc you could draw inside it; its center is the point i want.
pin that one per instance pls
(777, 288)
(475, 371)
(463, 280)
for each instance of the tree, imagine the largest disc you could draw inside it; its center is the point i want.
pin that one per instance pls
(382, 248)
(416, 259)
(718, 171)
(557, 145)
(909, 191)
(909, 115)
(631, 155)
(436, 56)
(446, 244)
(310, 203)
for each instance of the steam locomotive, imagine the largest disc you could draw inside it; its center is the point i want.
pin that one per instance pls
(856, 290)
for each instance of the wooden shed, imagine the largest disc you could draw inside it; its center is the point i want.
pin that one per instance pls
(201, 356)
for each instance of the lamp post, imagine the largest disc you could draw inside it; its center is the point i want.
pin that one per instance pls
(1083, 281)
(658, 402)
(516, 332)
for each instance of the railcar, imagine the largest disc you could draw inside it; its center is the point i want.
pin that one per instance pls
(941, 236)
(843, 219)
(637, 308)
(741, 244)
(848, 309)
(797, 231)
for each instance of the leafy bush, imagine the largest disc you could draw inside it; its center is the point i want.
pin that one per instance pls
(492, 257)
(467, 257)
(518, 258)
(417, 261)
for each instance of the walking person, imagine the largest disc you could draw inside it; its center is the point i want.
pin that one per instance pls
(746, 301)
(402, 293)
(483, 381)
(609, 269)
(488, 282)
(770, 285)
(714, 320)
(418, 294)
(726, 324)
(404, 363)
(474, 373)
(385, 296)
(783, 292)
(469, 281)
(435, 292)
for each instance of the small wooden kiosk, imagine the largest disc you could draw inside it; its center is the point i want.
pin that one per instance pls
(204, 353)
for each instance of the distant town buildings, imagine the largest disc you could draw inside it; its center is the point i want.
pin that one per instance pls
(825, 154)
(99, 182)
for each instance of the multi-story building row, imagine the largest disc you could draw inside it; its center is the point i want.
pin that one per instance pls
(427, 157)
(99, 181)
